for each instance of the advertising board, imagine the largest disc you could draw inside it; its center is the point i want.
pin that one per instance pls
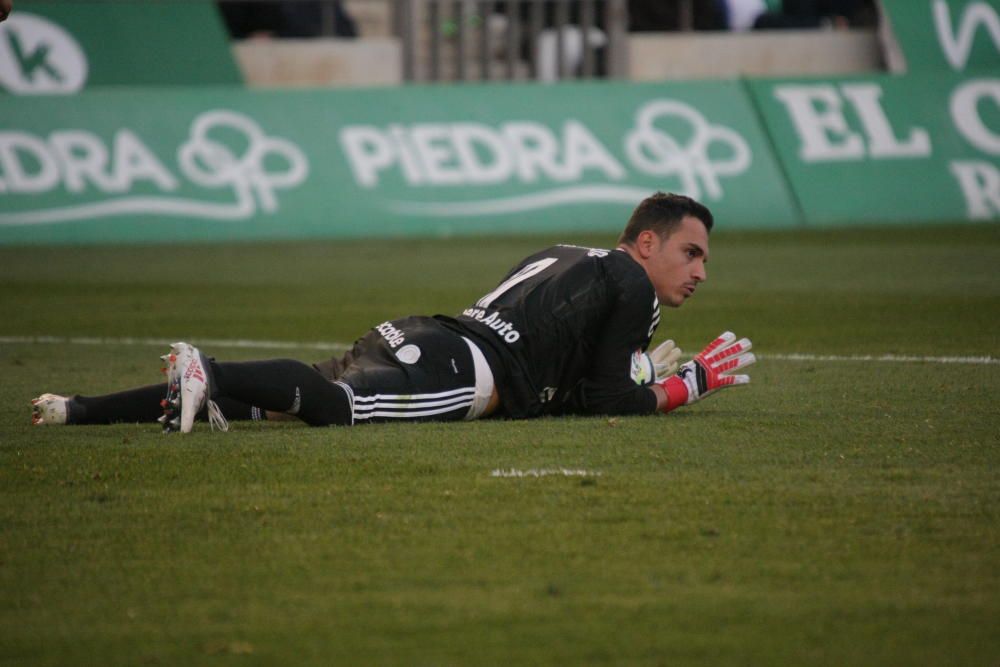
(220, 163)
(59, 48)
(946, 35)
(913, 148)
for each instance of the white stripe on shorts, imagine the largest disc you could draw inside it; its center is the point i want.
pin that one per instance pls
(484, 381)
(409, 414)
(409, 406)
(403, 406)
(414, 397)
(453, 401)
(350, 396)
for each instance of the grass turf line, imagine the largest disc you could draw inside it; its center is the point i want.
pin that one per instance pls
(828, 513)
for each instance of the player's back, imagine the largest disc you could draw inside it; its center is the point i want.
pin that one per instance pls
(544, 322)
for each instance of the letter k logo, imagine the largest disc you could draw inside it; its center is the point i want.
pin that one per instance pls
(38, 56)
(30, 62)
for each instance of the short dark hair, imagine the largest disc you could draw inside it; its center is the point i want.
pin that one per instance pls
(662, 213)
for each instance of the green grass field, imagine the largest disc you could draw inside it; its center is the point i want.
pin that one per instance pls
(835, 512)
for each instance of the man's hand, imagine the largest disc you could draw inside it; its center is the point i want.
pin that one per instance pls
(708, 371)
(666, 359)
(5, 7)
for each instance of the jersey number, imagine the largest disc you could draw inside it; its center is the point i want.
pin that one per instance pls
(528, 271)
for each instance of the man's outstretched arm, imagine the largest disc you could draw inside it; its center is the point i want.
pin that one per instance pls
(708, 372)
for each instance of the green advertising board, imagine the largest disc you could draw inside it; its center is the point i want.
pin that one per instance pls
(223, 163)
(65, 47)
(941, 35)
(888, 149)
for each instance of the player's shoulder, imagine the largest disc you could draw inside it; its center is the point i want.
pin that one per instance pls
(620, 264)
(568, 251)
(614, 262)
(560, 257)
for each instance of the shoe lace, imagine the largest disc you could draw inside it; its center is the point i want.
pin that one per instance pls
(215, 417)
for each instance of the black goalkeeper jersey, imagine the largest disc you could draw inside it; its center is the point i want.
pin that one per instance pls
(564, 333)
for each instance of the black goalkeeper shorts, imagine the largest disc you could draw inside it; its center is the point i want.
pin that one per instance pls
(413, 369)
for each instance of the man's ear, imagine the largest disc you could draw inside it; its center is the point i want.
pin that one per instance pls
(645, 243)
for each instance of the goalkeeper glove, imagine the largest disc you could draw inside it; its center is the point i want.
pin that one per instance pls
(666, 359)
(656, 365)
(708, 371)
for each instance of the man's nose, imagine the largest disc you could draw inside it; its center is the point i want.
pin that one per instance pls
(700, 273)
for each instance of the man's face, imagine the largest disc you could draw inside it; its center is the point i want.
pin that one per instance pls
(676, 265)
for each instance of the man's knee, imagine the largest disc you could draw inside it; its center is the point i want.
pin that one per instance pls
(329, 405)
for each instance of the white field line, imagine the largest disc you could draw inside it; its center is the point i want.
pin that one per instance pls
(890, 358)
(340, 347)
(204, 343)
(544, 472)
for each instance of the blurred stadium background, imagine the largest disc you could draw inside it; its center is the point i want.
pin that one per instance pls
(272, 177)
(189, 115)
(262, 113)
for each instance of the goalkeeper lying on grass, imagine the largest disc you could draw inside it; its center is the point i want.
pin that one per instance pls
(565, 332)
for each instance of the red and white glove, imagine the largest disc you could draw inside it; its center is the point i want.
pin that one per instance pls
(709, 371)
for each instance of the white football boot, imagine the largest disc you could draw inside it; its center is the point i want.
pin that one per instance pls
(189, 387)
(49, 409)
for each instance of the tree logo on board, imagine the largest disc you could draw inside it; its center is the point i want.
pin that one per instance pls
(567, 164)
(226, 153)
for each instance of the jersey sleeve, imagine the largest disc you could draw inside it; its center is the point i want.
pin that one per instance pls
(610, 384)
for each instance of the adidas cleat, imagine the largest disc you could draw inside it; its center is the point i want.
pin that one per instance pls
(189, 389)
(171, 419)
(49, 409)
(170, 425)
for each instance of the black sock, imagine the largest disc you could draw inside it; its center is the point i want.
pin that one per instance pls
(234, 410)
(284, 385)
(133, 405)
(143, 405)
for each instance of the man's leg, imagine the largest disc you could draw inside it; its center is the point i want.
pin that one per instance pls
(144, 404)
(283, 385)
(431, 377)
(331, 369)
(130, 406)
